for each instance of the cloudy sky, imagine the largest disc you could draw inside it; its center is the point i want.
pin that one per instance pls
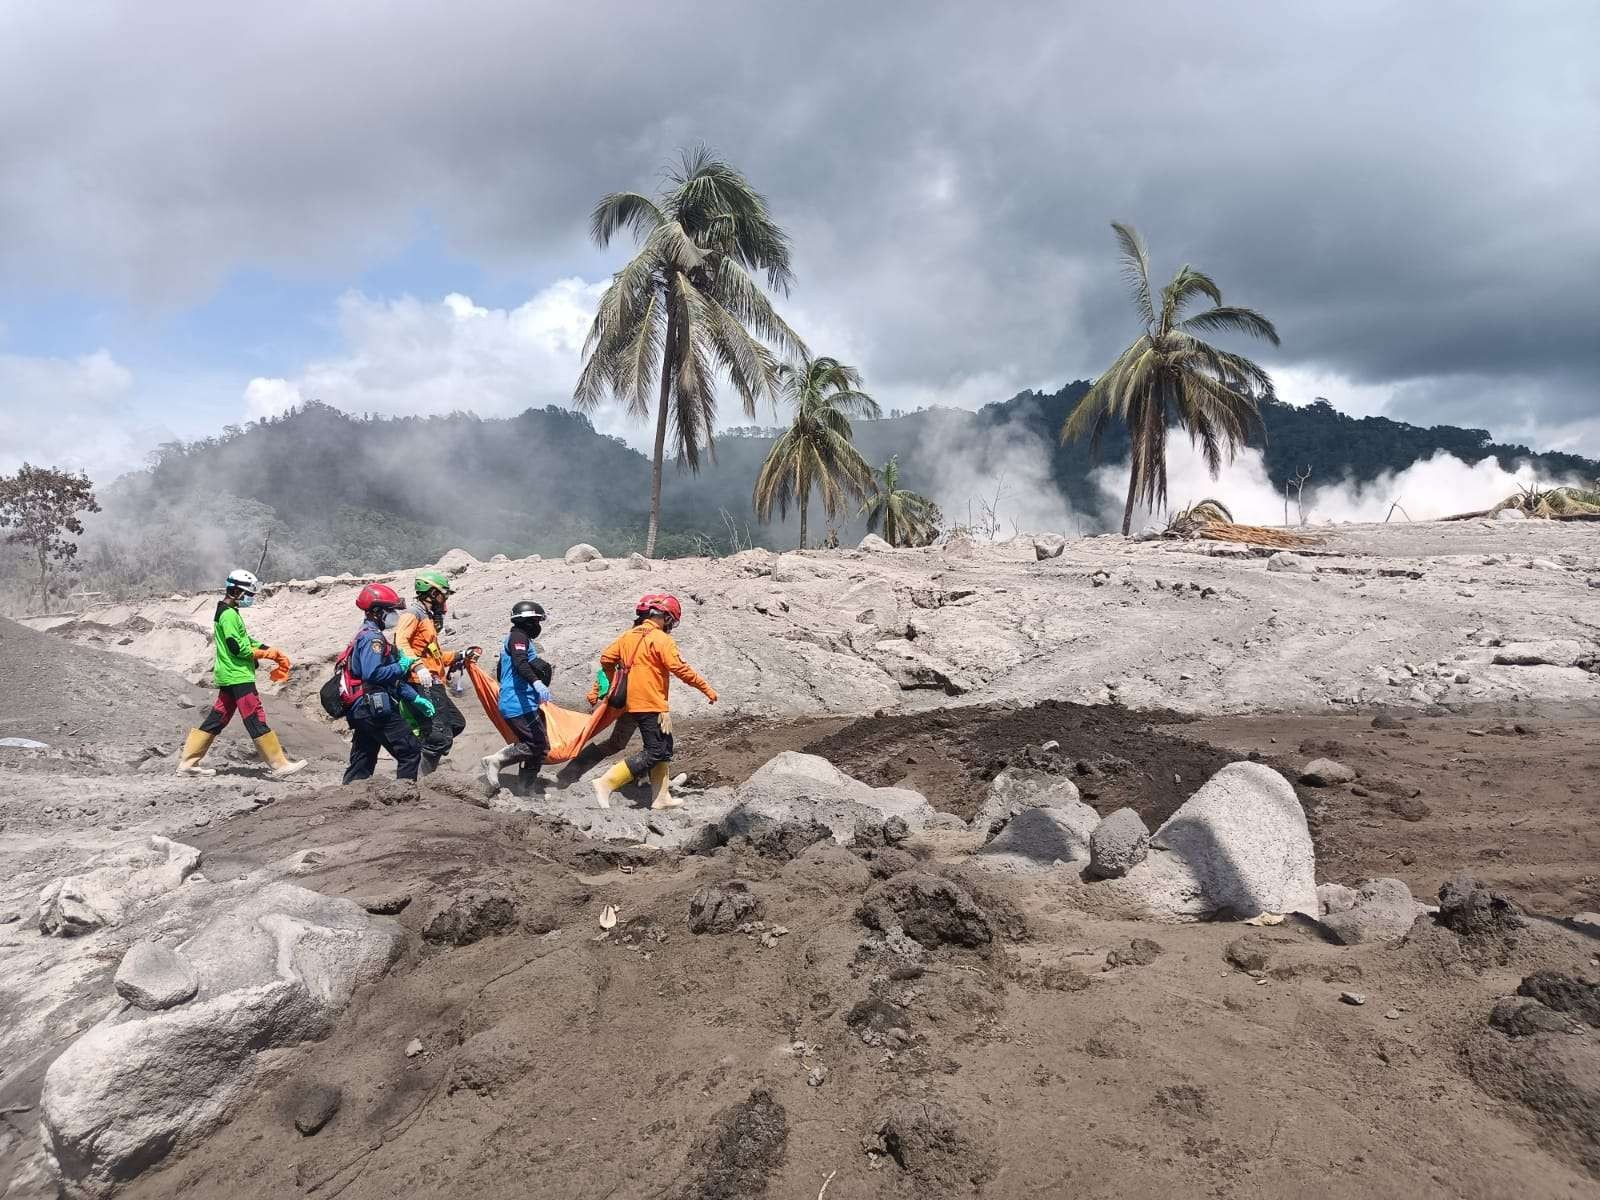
(208, 212)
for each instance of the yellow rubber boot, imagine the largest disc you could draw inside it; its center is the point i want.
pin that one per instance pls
(617, 776)
(282, 766)
(194, 749)
(660, 797)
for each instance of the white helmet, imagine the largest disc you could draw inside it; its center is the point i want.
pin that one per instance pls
(245, 581)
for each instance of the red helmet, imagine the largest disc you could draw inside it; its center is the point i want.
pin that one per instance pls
(659, 602)
(377, 595)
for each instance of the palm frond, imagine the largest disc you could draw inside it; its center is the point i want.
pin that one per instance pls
(1228, 318)
(623, 209)
(1136, 269)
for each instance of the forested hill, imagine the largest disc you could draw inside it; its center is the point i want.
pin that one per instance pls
(328, 492)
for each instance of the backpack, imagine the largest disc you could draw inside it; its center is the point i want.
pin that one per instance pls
(342, 689)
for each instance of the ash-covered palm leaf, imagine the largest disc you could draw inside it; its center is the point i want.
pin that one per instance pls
(906, 518)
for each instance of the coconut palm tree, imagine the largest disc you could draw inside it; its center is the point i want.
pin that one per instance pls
(816, 450)
(907, 518)
(1171, 376)
(686, 308)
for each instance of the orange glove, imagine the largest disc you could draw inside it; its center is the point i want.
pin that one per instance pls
(593, 696)
(281, 672)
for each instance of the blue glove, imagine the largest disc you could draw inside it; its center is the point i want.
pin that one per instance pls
(422, 706)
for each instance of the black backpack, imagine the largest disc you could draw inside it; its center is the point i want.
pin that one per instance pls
(342, 689)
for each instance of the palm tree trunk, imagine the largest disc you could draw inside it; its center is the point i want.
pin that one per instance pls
(668, 361)
(805, 503)
(1127, 510)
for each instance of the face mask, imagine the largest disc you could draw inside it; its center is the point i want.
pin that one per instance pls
(391, 619)
(246, 600)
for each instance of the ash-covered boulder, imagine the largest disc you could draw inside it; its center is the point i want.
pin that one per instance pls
(722, 907)
(873, 544)
(275, 968)
(939, 1150)
(456, 562)
(1118, 844)
(1048, 545)
(153, 976)
(1488, 924)
(107, 894)
(470, 916)
(1017, 788)
(580, 554)
(1380, 910)
(1239, 845)
(1327, 772)
(1038, 838)
(801, 789)
(1564, 993)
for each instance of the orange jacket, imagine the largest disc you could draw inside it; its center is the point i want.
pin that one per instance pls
(418, 636)
(652, 658)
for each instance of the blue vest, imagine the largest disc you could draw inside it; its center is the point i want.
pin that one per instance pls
(518, 697)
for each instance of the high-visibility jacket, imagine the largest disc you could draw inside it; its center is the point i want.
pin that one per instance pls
(652, 658)
(235, 660)
(417, 634)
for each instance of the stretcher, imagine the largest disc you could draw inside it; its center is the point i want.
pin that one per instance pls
(568, 731)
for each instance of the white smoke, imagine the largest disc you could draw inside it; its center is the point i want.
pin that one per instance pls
(1430, 488)
(1000, 477)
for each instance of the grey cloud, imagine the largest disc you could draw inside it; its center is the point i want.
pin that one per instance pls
(1407, 193)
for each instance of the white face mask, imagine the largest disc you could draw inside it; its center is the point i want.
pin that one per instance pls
(391, 619)
(246, 600)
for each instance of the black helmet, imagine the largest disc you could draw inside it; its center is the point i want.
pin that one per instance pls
(527, 613)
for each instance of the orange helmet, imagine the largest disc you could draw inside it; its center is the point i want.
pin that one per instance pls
(659, 603)
(377, 595)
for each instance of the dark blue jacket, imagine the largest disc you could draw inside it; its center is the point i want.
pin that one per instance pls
(376, 663)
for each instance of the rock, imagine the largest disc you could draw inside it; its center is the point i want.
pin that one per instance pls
(1547, 652)
(787, 840)
(316, 1108)
(803, 788)
(1284, 560)
(1518, 1016)
(581, 553)
(498, 559)
(1510, 514)
(1118, 844)
(1048, 545)
(1140, 952)
(1326, 772)
(454, 562)
(106, 895)
(276, 969)
(638, 562)
(1488, 923)
(1355, 998)
(1380, 910)
(1588, 922)
(722, 907)
(470, 916)
(1017, 788)
(1240, 844)
(414, 1048)
(941, 1152)
(816, 1076)
(1556, 1077)
(1041, 837)
(598, 564)
(914, 669)
(1335, 898)
(1249, 953)
(874, 544)
(1565, 994)
(152, 977)
(929, 908)
(385, 903)
(1387, 721)
(491, 1059)
(741, 1152)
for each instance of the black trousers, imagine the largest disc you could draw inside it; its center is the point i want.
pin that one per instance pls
(532, 742)
(657, 745)
(441, 730)
(369, 734)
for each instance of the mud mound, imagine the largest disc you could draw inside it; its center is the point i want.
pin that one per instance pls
(744, 1148)
(77, 698)
(1118, 757)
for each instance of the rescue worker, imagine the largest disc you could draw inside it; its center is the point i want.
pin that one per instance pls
(524, 686)
(641, 662)
(375, 683)
(417, 635)
(234, 673)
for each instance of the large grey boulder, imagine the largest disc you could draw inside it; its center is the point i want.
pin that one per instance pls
(874, 544)
(797, 787)
(1048, 545)
(1380, 910)
(1018, 788)
(107, 894)
(1327, 772)
(1118, 844)
(1291, 563)
(579, 554)
(153, 976)
(454, 562)
(1038, 838)
(1546, 652)
(1239, 845)
(275, 969)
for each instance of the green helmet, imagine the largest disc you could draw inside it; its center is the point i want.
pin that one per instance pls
(430, 581)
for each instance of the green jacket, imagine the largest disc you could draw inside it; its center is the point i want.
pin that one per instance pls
(236, 659)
